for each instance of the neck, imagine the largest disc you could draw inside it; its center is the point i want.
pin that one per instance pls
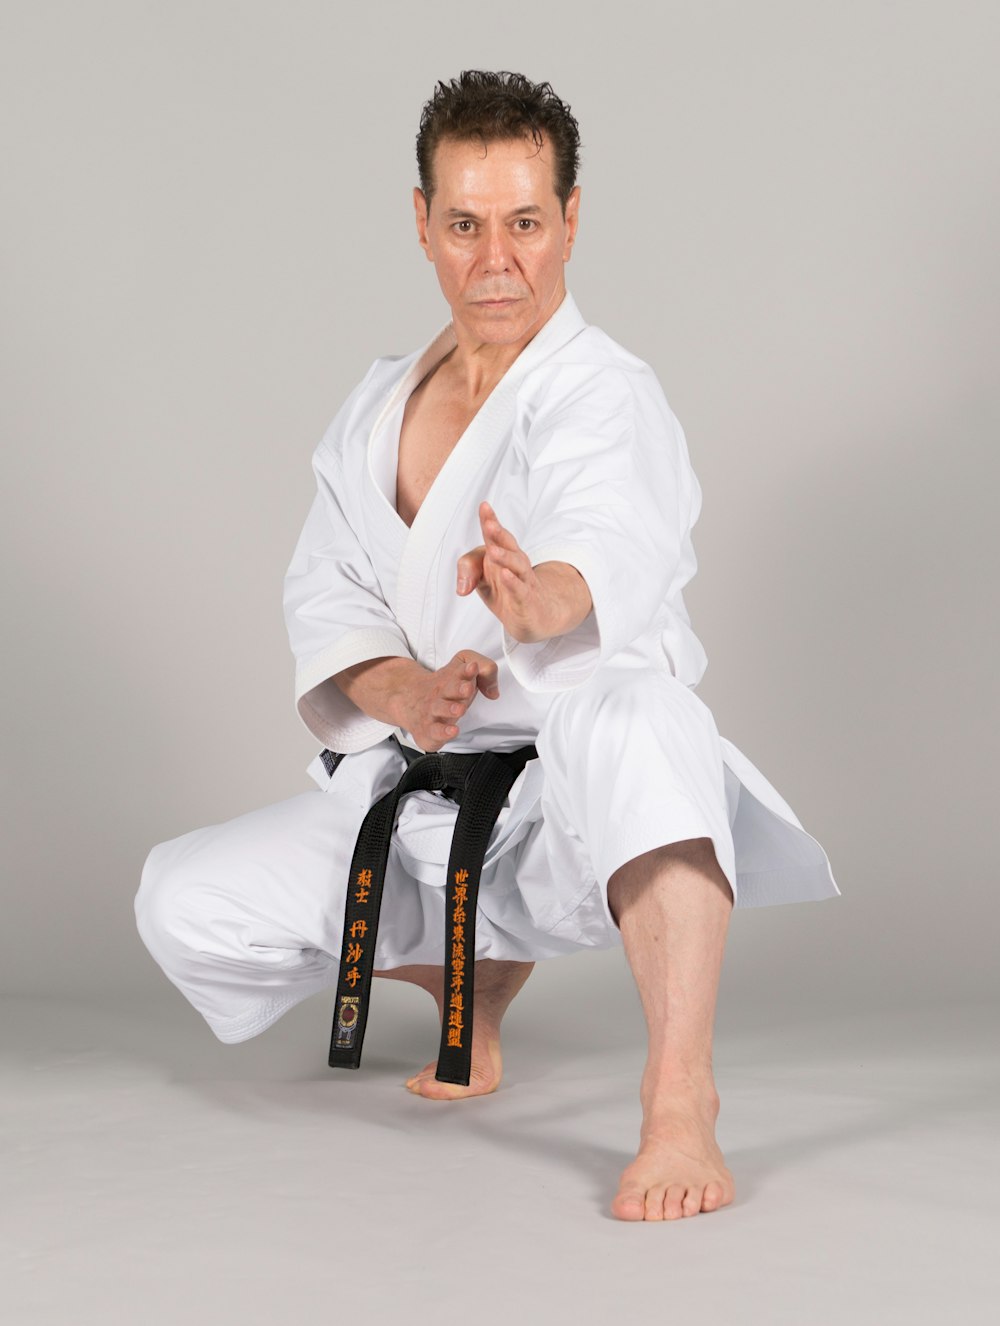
(477, 366)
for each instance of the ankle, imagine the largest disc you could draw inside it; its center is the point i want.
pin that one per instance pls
(426, 976)
(676, 1089)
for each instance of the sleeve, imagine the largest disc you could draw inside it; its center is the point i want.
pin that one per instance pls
(608, 494)
(336, 616)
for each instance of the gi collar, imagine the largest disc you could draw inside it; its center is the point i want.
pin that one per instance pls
(565, 323)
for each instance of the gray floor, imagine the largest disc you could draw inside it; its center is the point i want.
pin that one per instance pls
(154, 1175)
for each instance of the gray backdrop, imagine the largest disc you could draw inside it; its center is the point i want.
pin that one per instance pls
(788, 209)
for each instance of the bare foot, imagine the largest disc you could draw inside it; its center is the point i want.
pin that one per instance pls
(484, 1075)
(496, 984)
(679, 1170)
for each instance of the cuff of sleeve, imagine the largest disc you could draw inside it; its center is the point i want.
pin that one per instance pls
(323, 707)
(564, 661)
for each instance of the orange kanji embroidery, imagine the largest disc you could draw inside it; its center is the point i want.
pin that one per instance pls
(354, 952)
(359, 929)
(364, 883)
(352, 977)
(455, 1019)
(455, 1037)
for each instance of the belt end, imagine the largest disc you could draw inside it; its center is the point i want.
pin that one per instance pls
(342, 1059)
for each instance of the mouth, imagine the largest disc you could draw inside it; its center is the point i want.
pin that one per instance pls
(495, 303)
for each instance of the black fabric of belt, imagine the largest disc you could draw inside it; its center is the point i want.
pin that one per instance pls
(478, 781)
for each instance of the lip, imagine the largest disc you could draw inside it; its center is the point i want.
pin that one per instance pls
(495, 303)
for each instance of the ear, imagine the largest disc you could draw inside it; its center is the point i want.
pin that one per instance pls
(420, 209)
(572, 220)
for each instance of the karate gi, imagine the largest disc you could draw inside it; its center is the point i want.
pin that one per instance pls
(582, 458)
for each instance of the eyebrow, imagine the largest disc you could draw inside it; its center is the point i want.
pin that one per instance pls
(457, 212)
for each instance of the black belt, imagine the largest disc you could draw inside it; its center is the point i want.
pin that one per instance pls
(479, 782)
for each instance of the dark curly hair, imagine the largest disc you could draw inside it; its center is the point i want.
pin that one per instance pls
(496, 106)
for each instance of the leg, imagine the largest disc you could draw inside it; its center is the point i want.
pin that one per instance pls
(241, 915)
(496, 985)
(245, 917)
(672, 906)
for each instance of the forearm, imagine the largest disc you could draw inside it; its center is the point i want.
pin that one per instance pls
(377, 684)
(567, 599)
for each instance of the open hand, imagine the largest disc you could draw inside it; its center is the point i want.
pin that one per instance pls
(502, 575)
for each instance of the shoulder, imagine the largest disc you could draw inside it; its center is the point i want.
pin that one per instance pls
(592, 378)
(357, 415)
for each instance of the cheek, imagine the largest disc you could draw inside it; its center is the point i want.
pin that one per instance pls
(457, 261)
(541, 257)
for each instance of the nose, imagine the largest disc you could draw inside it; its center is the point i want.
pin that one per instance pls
(495, 256)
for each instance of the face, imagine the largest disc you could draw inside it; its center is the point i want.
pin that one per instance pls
(496, 233)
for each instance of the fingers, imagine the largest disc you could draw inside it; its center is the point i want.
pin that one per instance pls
(461, 684)
(488, 681)
(484, 672)
(501, 547)
(456, 688)
(470, 569)
(507, 562)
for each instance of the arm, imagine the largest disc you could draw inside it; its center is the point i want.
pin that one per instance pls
(375, 686)
(337, 617)
(610, 496)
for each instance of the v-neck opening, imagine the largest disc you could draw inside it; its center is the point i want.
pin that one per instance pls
(387, 439)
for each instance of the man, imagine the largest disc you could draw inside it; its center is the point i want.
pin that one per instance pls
(495, 556)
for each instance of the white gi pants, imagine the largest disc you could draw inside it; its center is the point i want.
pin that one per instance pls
(246, 917)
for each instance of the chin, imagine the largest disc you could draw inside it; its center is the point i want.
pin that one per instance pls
(501, 326)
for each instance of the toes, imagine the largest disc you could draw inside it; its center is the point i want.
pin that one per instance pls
(432, 1089)
(713, 1197)
(672, 1202)
(428, 1086)
(430, 1068)
(668, 1202)
(630, 1204)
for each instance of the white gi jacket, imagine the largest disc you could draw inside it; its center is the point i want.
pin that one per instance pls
(582, 458)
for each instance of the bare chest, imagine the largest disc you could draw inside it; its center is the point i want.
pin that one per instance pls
(432, 424)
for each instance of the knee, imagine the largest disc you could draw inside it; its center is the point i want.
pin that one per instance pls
(611, 699)
(660, 867)
(165, 907)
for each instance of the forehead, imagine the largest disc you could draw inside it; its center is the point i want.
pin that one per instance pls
(505, 170)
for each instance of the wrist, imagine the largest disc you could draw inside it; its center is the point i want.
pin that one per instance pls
(565, 601)
(380, 687)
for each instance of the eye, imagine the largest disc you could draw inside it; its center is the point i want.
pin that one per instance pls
(526, 221)
(464, 222)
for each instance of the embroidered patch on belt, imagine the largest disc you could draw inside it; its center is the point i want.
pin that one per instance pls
(347, 1020)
